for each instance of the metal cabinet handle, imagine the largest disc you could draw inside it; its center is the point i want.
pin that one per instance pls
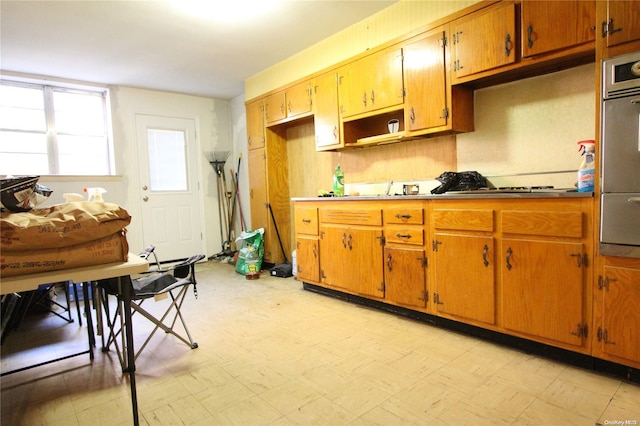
(364, 99)
(389, 262)
(412, 115)
(350, 242)
(634, 199)
(485, 249)
(508, 45)
(531, 36)
(509, 253)
(578, 257)
(315, 252)
(406, 236)
(403, 216)
(344, 239)
(373, 97)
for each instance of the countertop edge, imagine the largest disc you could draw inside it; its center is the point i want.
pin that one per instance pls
(466, 196)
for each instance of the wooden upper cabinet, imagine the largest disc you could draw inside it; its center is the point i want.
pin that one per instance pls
(326, 112)
(299, 100)
(275, 107)
(425, 82)
(623, 22)
(547, 26)
(255, 124)
(371, 83)
(290, 103)
(484, 40)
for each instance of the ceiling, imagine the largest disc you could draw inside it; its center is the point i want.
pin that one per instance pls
(153, 45)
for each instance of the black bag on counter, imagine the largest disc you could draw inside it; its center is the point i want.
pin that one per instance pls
(459, 181)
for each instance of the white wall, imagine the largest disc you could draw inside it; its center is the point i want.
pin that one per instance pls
(214, 133)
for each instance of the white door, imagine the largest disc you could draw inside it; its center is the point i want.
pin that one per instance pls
(169, 186)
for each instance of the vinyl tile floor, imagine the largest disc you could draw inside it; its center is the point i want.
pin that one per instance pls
(271, 353)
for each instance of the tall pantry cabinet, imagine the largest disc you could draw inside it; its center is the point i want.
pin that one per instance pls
(267, 171)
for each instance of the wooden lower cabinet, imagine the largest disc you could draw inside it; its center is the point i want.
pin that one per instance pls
(464, 283)
(616, 334)
(351, 258)
(405, 277)
(405, 260)
(308, 258)
(543, 289)
(522, 267)
(351, 247)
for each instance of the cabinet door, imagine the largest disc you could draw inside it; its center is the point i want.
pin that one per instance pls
(364, 252)
(351, 258)
(464, 276)
(553, 25)
(424, 79)
(308, 258)
(326, 112)
(620, 332)
(484, 41)
(543, 289)
(385, 73)
(353, 81)
(255, 125)
(257, 188)
(623, 18)
(275, 107)
(333, 257)
(405, 276)
(371, 83)
(298, 100)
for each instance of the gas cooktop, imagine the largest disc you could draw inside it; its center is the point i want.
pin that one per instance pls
(512, 189)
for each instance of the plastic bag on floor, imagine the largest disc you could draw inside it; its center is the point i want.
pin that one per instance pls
(250, 246)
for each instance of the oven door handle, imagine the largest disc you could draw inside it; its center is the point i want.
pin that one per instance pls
(634, 199)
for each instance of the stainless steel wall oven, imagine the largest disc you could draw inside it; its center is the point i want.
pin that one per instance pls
(620, 157)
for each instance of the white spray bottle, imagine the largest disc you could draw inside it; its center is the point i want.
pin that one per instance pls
(587, 169)
(95, 194)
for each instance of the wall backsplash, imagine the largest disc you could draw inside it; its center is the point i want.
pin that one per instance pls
(526, 132)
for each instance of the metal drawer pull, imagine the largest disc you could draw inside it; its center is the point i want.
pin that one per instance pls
(306, 220)
(403, 216)
(407, 236)
(634, 199)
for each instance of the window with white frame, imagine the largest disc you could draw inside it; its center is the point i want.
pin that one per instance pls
(54, 130)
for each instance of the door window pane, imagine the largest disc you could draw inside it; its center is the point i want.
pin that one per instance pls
(167, 160)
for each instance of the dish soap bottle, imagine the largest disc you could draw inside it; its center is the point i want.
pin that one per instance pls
(587, 170)
(338, 182)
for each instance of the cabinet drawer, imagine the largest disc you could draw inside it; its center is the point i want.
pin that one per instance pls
(464, 220)
(306, 220)
(544, 223)
(404, 215)
(404, 235)
(360, 216)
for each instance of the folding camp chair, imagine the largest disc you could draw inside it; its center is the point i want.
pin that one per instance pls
(174, 281)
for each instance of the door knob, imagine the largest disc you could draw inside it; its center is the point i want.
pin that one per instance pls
(145, 187)
(145, 198)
